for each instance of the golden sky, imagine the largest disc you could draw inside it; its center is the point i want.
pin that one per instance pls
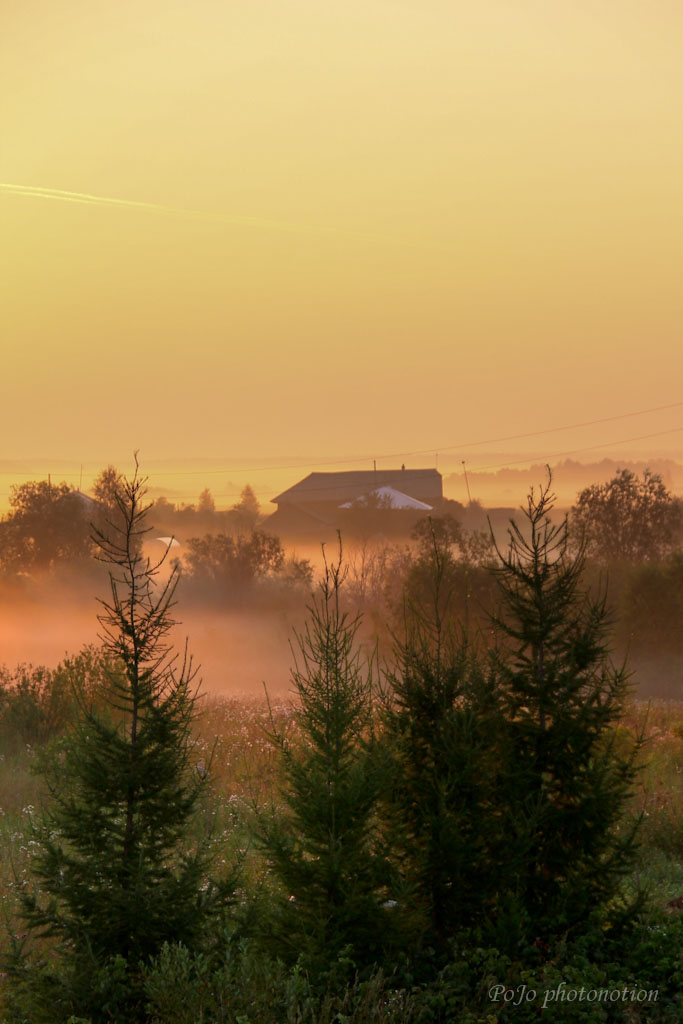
(368, 226)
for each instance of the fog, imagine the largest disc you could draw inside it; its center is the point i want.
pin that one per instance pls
(246, 579)
(237, 647)
(42, 633)
(236, 651)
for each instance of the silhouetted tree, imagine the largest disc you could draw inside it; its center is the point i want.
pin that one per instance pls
(652, 607)
(233, 562)
(206, 503)
(444, 741)
(566, 783)
(48, 524)
(627, 519)
(38, 703)
(113, 859)
(246, 513)
(321, 847)
(297, 573)
(109, 493)
(458, 558)
(163, 509)
(109, 488)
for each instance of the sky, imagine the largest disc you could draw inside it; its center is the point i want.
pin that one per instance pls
(338, 230)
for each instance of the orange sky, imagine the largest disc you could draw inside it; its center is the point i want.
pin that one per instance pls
(373, 226)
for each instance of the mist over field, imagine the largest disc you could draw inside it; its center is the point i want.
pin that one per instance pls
(246, 576)
(235, 651)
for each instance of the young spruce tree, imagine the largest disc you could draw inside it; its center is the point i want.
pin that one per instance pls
(443, 743)
(566, 781)
(321, 845)
(114, 877)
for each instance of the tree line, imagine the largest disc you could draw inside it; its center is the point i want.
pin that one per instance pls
(629, 520)
(632, 528)
(48, 535)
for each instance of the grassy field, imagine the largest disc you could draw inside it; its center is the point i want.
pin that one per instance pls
(231, 739)
(231, 743)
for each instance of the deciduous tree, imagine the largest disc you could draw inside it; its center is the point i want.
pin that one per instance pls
(234, 562)
(629, 518)
(48, 524)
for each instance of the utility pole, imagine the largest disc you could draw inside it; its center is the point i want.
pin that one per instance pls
(467, 483)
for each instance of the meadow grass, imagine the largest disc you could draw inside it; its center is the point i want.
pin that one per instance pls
(658, 798)
(231, 744)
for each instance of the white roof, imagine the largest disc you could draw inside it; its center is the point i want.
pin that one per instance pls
(170, 542)
(388, 497)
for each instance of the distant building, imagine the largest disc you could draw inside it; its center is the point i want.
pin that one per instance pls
(323, 502)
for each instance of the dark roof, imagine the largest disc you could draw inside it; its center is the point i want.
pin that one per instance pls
(418, 483)
(307, 519)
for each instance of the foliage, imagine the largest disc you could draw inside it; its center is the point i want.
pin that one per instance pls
(109, 493)
(460, 559)
(566, 982)
(240, 978)
(480, 984)
(443, 742)
(652, 606)
(504, 780)
(297, 573)
(37, 703)
(445, 537)
(182, 521)
(229, 567)
(628, 519)
(246, 513)
(109, 489)
(123, 791)
(48, 525)
(206, 503)
(249, 986)
(321, 846)
(376, 575)
(568, 781)
(239, 561)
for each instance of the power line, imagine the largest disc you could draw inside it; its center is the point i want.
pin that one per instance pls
(418, 451)
(554, 430)
(477, 469)
(576, 451)
(440, 448)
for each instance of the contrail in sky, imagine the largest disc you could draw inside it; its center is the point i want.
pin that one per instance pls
(93, 200)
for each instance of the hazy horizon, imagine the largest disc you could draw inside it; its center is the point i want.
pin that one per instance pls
(182, 483)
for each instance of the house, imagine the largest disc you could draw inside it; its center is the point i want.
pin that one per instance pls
(379, 499)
